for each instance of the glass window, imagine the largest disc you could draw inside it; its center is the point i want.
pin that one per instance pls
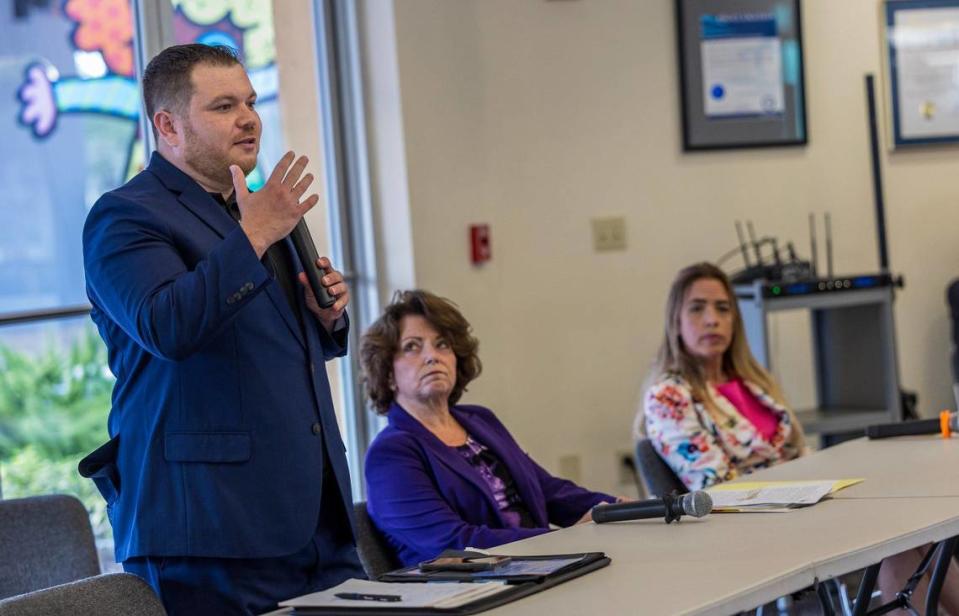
(69, 107)
(54, 398)
(68, 104)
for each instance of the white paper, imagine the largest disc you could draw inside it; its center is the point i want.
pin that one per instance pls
(927, 66)
(742, 76)
(432, 594)
(793, 495)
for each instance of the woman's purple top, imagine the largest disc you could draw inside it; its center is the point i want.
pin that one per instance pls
(500, 483)
(425, 497)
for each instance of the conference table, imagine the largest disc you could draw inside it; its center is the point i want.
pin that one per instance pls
(725, 563)
(728, 562)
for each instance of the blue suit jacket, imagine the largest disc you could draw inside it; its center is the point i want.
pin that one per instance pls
(426, 497)
(221, 408)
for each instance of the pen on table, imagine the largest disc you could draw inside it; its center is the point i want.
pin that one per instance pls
(362, 596)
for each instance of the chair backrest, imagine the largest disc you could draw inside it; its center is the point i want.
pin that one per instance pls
(952, 296)
(658, 477)
(44, 541)
(113, 594)
(375, 553)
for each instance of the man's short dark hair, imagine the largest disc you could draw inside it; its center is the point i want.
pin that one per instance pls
(166, 80)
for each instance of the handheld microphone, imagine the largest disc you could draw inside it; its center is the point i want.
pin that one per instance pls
(306, 251)
(945, 424)
(670, 507)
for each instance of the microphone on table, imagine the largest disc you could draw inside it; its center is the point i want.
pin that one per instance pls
(945, 424)
(670, 507)
(306, 251)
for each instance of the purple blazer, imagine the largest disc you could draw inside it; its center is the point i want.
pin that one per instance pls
(426, 498)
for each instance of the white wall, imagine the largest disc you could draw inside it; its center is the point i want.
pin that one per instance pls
(534, 116)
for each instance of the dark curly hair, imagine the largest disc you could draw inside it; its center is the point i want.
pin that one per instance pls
(381, 342)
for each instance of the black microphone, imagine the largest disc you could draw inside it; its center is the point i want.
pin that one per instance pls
(306, 251)
(670, 507)
(945, 424)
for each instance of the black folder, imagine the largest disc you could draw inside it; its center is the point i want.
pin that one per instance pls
(517, 586)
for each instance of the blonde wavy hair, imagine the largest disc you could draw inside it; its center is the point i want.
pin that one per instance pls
(673, 359)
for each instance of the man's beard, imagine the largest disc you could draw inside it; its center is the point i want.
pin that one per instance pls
(211, 163)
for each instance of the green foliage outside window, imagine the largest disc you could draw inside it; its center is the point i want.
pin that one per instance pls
(53, 411)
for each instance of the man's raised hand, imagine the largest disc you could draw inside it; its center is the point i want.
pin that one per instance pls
(269, 214)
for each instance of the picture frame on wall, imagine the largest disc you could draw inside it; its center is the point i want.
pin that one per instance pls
(922, 44)
(742, 82)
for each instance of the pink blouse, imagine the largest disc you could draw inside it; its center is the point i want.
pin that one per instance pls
(758, 414)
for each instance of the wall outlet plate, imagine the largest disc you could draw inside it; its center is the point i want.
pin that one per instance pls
(609, 234)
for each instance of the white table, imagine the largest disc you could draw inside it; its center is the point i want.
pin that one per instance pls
(725, 563)
(893, 468)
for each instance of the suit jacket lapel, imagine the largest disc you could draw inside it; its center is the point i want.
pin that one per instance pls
(499, 444)
(191, 195)
(278, 297)
(439, 450)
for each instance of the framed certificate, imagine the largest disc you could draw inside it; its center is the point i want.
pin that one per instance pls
(741, 73)
(923, 59)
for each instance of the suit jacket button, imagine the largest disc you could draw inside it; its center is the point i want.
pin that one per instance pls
(248, 286)
(231, 299)
(317, 428)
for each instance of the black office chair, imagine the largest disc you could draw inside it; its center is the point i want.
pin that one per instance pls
(114, 594)
(44, 541)
(375, 553)
(658, 477)
(952, 296)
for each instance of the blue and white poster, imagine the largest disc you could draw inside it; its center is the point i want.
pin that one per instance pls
(742, 66)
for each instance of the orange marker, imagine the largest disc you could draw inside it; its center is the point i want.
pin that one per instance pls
(945, 423)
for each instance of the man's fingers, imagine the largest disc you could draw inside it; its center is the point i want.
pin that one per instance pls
(281, 167)
(324, 264)
(239, 182)
(331, 276)
(302, 185)
(336, 290)
(308, 204)
(340, 304)
(295, 171)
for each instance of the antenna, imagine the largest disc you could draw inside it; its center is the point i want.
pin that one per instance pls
(775, 244)
(752, 239)
(742, 244)
(814, 259)
(828, 244)
(877, 176)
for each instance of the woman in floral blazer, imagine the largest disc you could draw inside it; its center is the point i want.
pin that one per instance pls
(703, 449)
(711, 411)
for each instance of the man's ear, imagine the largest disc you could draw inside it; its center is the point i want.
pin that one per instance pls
(167, 129)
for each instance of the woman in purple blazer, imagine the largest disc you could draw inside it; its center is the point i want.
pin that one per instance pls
(442, 476)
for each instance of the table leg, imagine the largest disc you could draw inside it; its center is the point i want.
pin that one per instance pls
(866, 586)
(828, 609)
(946, 549)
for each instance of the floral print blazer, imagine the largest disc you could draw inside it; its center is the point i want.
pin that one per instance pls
(703, 449)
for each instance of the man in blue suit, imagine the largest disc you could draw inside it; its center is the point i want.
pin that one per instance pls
(225, 476)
